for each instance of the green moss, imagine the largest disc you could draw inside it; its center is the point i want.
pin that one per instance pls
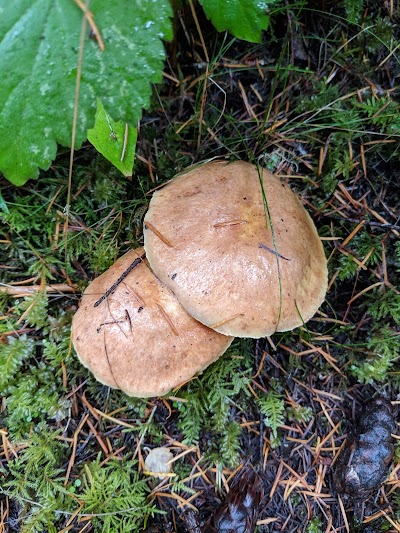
(210, 402)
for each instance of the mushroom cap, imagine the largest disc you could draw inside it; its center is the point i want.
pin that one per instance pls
(140, 339)
(208, 237)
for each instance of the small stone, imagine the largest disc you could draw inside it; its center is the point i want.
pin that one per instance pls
(157, 462)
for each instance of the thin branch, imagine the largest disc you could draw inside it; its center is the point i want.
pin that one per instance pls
(89, 17)
(120, 279)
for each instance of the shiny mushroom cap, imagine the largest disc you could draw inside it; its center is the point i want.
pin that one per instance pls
(140, 339)
(238, 249)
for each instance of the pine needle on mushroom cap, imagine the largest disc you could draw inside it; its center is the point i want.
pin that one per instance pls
(243, 255)
(140, 339)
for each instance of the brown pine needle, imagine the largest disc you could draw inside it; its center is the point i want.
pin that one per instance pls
(115, 420)
(198, 27)
(74, 125)
(346, 523)
(329, 358)
(353, 233)
(222, 322)
(134, 293)
(89, 17)
(159, 235)
(168, 319)
(180, 499)
(247, 105)
(229, 223)
(266, 521)
(98, 438)
(277, 480)
(74, 446)
(367, 289)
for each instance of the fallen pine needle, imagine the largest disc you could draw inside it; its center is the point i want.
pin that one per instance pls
(159, 235)
(222, 322)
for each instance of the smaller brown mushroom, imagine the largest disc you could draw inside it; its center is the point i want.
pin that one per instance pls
(140, 339)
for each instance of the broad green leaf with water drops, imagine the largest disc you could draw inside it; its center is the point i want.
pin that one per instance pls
(245, 19)
(39, 46)
(116, 141)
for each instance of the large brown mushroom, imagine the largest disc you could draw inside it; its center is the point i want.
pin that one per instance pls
(238, 249)
(139, 338)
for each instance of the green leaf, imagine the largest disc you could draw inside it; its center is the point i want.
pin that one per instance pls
(245, 19)
(115, 140)
(39, 46)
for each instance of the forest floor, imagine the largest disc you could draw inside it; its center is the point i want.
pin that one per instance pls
(317, 102)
